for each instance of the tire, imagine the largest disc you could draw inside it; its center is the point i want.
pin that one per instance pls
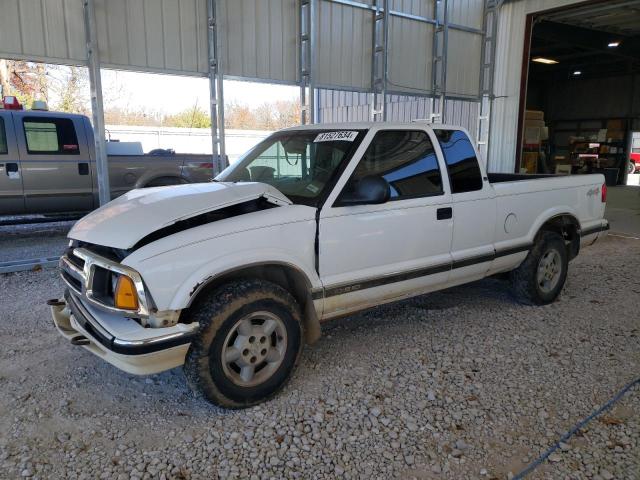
(631, 168)
(223, 317)
(549, 255)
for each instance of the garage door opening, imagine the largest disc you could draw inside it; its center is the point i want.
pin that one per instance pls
(580, 104)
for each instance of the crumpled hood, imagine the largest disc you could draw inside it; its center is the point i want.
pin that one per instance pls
(134, 215)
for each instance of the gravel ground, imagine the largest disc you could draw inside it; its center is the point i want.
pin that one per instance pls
(459, 384)
(37, 240)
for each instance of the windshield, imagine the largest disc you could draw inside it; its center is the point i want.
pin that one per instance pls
(301, 164)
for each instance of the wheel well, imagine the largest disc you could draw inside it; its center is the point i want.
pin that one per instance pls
(164, 181)
(288, 277)
(569, 228)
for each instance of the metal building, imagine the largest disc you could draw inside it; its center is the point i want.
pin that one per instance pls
(454, 61)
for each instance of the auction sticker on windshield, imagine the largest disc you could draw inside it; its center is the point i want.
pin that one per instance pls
(343, 135)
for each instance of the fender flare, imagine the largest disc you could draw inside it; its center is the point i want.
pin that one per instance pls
(283, 273)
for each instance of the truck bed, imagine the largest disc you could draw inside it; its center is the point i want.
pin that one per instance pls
(517, 177)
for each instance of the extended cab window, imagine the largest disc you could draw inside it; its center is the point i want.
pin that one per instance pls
(50, 136)
(3, 137)
(405, 159)
(462, 164)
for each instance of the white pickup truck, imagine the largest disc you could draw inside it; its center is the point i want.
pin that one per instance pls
(230, 278)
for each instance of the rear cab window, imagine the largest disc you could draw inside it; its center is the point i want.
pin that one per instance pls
(4, 148)
(46, 135)
(462, 164)
(406, 159)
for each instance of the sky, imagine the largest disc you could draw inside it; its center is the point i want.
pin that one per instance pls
(173, 93)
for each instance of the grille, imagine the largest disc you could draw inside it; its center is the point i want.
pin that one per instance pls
(72, 281)
(76, 261)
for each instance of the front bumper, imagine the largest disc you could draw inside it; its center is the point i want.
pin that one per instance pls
(119, 340)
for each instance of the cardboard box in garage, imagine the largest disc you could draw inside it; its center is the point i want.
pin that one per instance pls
(615, 124)
(615, 135)
(534, 115)
(529, 162)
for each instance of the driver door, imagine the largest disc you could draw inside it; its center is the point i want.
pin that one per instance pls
(369, 254)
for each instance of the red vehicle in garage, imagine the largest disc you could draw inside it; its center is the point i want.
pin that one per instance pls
(634, 161)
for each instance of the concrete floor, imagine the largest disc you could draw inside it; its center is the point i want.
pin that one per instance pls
(623, 210)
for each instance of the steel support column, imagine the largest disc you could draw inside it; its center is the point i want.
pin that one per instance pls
(97, 109)
(487, 72)
(379, 64)
(439, 65)
(307, 59)
(216, 96)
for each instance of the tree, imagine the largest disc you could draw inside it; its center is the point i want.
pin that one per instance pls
(239, 117)
(194, 117)
(25, 80)
(268, 116)
(71, 89)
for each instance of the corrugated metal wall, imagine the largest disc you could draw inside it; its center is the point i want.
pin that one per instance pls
(463, 64)
(153, 35)
(51, 30)
(410, 72)
(148, 35)
(468, 13)
(344, 106)
(259, 39)
(510, 46)
(344, 46)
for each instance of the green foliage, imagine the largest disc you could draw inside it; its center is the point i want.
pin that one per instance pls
(194, 117)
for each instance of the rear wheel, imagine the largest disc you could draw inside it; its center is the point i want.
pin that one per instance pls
(248, 343)
(541, 277)
(631, 168)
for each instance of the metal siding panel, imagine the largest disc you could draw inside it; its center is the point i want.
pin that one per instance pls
(260, 39)
(166, 35)
(32, 25)
(10, 31)
(55, 38)
(154, 34)
(102, 32)
(462, 113)
(410, 55)
(171, 31)
(248, 51)
(74, 31)
(136, 36)
(116, 42)
(422, 8)
(189, 35)
(344, 46)
(468, 13)
(463, 63)
(273, 41)
(202, 38)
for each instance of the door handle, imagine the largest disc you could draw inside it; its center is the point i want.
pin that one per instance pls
(11, 168)
(83, 168)
(444, 213)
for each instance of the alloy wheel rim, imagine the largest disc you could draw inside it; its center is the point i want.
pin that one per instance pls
(254, 349)
(549, 270)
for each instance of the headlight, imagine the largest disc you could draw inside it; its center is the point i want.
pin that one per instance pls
(125, 296)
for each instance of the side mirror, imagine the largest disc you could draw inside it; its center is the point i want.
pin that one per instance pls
(370, 190)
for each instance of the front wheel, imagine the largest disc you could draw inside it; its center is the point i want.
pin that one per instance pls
(631, 168)
(248, 343)
(540, 278)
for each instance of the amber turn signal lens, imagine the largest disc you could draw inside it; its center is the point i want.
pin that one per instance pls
(125, 295)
